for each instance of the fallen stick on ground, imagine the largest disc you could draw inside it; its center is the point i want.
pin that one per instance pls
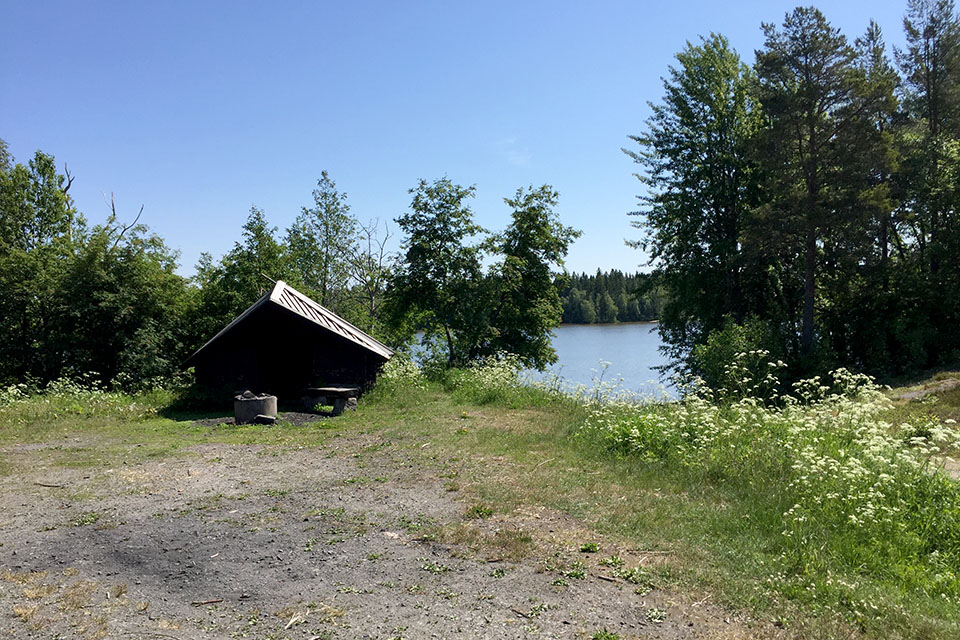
(200, 603)
(294, 620)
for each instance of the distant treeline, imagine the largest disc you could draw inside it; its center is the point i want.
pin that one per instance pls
(611, 297)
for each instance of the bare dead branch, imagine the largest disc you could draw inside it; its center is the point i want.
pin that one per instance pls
(113, 210)
(66, 173)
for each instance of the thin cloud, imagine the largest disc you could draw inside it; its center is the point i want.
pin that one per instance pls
(514, 154)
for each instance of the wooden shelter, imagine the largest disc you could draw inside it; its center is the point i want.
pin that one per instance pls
(284, 344)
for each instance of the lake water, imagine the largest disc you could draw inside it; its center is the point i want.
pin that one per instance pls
(609, 352)
(613, 351)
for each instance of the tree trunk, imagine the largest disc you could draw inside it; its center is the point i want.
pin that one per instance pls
(450, 358)
(809, 284)
(884, 252)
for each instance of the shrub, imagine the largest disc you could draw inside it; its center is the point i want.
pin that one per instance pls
(401, 372)
(737, 362)
(494, 378)
(851, 489)
(400, 383)
(82, 396)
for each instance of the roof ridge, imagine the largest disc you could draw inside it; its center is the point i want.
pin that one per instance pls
(324, 318)
(277, 292)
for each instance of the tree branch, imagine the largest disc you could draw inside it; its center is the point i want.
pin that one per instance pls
(113, 210)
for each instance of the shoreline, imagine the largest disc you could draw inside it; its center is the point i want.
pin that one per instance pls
(605, 324)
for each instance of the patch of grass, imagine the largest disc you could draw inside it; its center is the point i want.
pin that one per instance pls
(447, 594)
(325, 613)
(656, 616)
(418, 523)
(350, 589)
(713, 524)
(25, 613)
(86, 519)
(22, 577)
(479, 511)
(576, 570)
(503, 543)
(436, 568)
(39, 591)
(77, 596)
(589, 547)
(704, 533)
(612, 561)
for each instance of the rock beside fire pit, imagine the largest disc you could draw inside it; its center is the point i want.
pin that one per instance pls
(249, 407)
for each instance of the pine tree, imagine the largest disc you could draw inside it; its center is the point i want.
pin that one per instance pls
(804, 74)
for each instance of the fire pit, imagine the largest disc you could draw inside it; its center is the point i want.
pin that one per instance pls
(251, 408)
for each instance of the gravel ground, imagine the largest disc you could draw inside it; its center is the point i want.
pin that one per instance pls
(341, 541)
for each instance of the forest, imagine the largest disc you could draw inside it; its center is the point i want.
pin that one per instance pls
(806, 205)
(612, 296)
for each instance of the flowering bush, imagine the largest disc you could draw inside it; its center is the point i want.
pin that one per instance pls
(80, 396)
(849, 485)
(401, 372)
(11, 394)
(496, 377)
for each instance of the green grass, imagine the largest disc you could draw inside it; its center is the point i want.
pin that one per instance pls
(715, 523)
(718, 520)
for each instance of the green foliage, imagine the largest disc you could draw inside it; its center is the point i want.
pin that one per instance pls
(439, 277)
(479, 511)
(735, 361)
(526, 304)
(807, 92)
(401, 373)
(816, 192)
(319, 242)
(123, 308)
(468, 314)
(849, 491)
(496, 380)
(106, 300)
(694, 213)
(81, 398)
(493, 379)
(240, 278)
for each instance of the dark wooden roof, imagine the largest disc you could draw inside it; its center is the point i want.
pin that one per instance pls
(285, 296)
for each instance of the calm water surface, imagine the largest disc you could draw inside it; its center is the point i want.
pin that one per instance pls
(628, 351)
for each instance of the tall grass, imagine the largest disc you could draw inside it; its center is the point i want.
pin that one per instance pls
(854, 504)
(28, 412)
(497, 379)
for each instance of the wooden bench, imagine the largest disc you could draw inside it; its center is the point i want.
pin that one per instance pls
(340, 397)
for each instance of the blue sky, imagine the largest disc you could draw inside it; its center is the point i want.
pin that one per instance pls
(198, 110)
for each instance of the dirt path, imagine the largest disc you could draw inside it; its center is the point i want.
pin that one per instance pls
(333, 542)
